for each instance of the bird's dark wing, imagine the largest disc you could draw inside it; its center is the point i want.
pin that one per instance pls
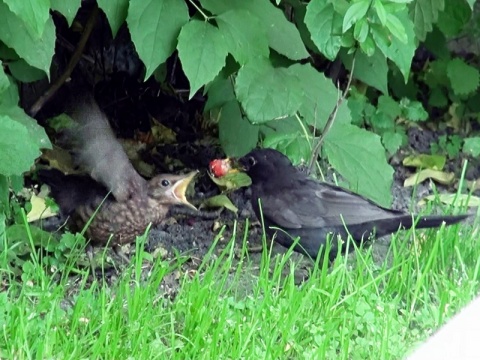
(313, 204)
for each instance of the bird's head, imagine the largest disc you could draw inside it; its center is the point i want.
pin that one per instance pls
(170, 189)
(263, 164)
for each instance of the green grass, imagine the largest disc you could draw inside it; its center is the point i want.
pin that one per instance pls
(354, 309)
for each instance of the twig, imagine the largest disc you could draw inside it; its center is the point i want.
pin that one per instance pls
(330, 121)
(37, 106)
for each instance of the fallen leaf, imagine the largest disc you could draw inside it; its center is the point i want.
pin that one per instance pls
(425, 161)
(220, 201)
(453, 199)
(439, 176)
(60, 159)
(39, 209)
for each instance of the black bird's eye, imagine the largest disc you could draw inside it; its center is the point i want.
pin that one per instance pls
(165, 183)
(251, 161)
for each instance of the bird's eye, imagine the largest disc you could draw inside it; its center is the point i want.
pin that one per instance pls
(165, 183)
(251, 161)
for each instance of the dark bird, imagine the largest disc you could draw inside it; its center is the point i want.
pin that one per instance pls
(293, 205)
(118, 201)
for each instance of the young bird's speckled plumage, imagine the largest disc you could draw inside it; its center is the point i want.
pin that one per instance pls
(126, 202)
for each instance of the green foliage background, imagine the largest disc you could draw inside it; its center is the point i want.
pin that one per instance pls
(271, 90)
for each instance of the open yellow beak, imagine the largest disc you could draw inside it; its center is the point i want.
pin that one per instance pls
(180, 187)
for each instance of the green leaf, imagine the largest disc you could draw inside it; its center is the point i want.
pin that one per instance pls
(463, 77)
(325, 25)
(368, 46)
(219, 93)
(361, 30)
(68, 8)
(17, 151)
(116, 12)
(371, 70)
(358, 155)
(244, 34)
(355, 12)
(154, 26)
(387, 105)
(4, 82)
(24, 72)
(237, 135)
(283, 36)
(425, 161)
(10, 109)
(266, 92)
(232, 180)
(396, 28)
(37, 51)
(33, 14)
(438, 98)
(381, 13)
(399, 52)
(471, 146)
(320, 97)
(381, 122)
(202, 50)
(392, 141)
(455, 16)
(289, 137)
(413, 110)
(424, 14)
(220, 201)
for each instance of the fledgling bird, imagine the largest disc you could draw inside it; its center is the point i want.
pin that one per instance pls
(133, 202)
(310, 209)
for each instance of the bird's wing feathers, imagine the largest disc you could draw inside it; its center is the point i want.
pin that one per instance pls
(313, 204)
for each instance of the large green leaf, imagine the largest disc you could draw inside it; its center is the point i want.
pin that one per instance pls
(424, 14)
(320, 97)
(244, 34)
(372, 70)
(116, 12)
(68, 8)
(202, 50)
(17, 151)
(154, 26)
(10, 109)
(283, 36)
(397, 51)
(463, 77)
(358, 155)
(267, 93)
(33, 14)
(237, 135)
(37, 51)
(325, 25)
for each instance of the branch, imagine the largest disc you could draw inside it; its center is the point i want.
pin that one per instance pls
(330, 121)
(37, 106)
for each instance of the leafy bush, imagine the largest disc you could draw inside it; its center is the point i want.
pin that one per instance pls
(258, 63)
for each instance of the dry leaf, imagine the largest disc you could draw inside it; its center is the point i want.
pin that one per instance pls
(60, 159)
(425, 161)
(39, 209)
(453, 199)
(439, 176)
(220, 201)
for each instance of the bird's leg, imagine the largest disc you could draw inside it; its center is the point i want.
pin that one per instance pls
(89, 251)
(119, 251)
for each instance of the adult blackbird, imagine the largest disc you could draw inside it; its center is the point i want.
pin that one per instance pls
(119, 202)
(292, 205)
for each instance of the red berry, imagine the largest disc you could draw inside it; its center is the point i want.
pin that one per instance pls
(219, 167)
